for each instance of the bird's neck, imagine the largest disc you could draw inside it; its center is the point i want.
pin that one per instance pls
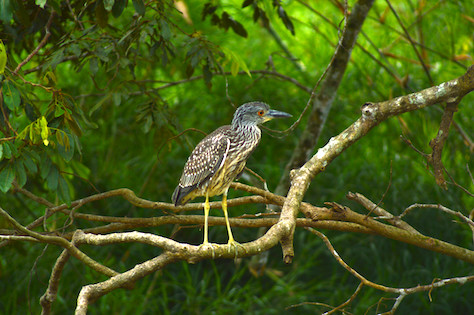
(248, 130)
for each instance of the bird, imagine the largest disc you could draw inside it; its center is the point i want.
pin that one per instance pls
(220, 158)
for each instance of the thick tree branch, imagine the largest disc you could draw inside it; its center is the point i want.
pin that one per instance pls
(372, 115)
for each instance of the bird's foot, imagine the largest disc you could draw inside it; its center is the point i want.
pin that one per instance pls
(206, 245)
(234, 245)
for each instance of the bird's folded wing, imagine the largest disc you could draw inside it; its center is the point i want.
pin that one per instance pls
(208, 156)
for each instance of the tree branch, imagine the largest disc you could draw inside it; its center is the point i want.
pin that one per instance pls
(372, 115)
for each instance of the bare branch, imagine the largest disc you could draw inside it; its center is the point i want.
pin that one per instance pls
(338, 212)
(437, 143)
(372, 115)
(49, 296)
(92, 292)
(439, 207)
(383, 214)
(402, 292)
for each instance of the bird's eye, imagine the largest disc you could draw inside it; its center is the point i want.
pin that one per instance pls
(261, 113)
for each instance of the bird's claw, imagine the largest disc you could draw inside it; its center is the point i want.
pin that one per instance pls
(233, 244)
(205, 246)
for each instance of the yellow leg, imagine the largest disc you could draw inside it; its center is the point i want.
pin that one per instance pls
(232, 242)
(206, 216)
(224, 208)
(206, 243)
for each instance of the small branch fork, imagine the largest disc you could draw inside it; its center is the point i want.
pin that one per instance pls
(335, 217)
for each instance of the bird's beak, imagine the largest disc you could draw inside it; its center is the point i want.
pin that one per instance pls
(276, 114)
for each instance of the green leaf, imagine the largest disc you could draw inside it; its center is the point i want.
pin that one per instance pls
(66, 150)
(44, 130)
(236, 62)
(238, 28)
(93, 65)
(52, 179)
(139, 6)
(7, 153)
(3, 56)
(80, 169)
(74, 126)
(30, 164)
(11, 96)
(165, 30)
(108, 5)
(20, 173)
(286, 20)
(45, 166)
(64, 191)
(5, 11)
(119, 6)
(6, 178)
(207, 75)
(41, 3)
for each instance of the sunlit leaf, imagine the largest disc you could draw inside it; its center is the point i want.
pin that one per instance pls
(41, 3)
(44, 130)
(3, 57)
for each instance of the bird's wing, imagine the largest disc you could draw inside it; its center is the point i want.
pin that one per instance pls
(207, 157)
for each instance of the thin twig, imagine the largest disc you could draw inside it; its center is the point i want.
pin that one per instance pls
(439, 207)
(427, 71)
(40, 45)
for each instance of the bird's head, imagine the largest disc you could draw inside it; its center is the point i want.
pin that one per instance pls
(255, 113)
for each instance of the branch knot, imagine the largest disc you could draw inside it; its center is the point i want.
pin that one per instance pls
(368, 111)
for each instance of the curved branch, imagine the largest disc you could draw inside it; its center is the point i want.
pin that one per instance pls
(372, 115)
(92, 292)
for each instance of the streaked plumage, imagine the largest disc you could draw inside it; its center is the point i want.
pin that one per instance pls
(220, 158)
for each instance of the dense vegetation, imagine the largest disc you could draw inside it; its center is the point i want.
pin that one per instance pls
(108, 94)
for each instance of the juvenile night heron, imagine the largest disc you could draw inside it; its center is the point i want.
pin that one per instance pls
(220, 158)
